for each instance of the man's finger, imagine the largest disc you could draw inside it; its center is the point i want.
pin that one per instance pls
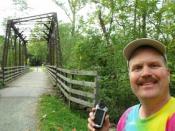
(91, 115)
(91, 128)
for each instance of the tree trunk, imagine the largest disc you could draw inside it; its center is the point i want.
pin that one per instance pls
(106, 35)
(144, 25)
(135, 17)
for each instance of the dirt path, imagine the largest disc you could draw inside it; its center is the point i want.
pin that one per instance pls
(18, 101)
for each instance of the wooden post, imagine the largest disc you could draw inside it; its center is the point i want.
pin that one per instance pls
(96, 90)
(70, 86)
(56, 71)
(2, 68)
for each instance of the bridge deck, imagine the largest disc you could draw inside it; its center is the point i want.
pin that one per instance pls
(18, 102)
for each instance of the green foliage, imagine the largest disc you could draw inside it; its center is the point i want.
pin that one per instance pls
(67, 42)
(37, 51)
(171, 63)
(1, 39)
(1, 47)
(88, 48)
(55, 115)
(20, 4)
(1, 84)
(71, 9)
(91, 53)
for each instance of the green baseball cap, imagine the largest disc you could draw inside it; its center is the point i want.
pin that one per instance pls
(133, 45)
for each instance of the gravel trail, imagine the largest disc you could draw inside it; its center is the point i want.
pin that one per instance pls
(18, 102)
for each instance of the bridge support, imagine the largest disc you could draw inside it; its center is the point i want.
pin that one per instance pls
(16, 41)
(15, 44)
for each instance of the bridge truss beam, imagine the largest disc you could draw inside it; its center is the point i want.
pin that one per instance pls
(15, 43)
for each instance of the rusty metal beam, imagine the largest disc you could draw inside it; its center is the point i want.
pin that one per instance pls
(58, 47)
(19, 55)
(50, 33)
(30, 18)
(17, 33)
(15, 47)
(6, 44)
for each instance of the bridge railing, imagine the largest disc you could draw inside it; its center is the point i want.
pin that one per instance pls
(8, 74)
(1, 75)
(77, 86)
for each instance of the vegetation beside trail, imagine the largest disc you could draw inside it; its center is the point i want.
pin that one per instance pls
(55, 115)
(97, 44)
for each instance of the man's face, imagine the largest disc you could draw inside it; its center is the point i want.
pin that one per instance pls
(149, 76)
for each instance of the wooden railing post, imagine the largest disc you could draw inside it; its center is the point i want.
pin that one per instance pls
(96, 90)
(70, 87)
(3, 75)
(11, 73)
(84, 92)
(56, 71)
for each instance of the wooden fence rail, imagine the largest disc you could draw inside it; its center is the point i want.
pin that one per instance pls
(77, 86)
(10, 73)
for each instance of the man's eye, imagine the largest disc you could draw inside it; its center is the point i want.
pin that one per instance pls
(154, 66)
(137, 68)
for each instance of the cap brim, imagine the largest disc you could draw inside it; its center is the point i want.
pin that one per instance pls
(132, 46)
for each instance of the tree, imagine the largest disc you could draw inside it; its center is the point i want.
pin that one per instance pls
(1, 47)
(71, 11)
(109, 28)
(20, 4)
(37, 46)
(37, 51)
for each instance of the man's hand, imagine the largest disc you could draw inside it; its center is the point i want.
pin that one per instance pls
(91, 123)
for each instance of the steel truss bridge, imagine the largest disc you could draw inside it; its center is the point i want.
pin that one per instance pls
(75, 85)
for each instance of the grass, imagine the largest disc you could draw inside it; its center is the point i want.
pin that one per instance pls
(2, 85)
(55, 115)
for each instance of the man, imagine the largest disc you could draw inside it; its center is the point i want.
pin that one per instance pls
(149, 79)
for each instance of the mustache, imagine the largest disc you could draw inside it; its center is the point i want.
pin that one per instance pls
(149, 79)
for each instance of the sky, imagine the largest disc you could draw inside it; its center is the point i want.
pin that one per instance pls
(36, 7)
(9, 11)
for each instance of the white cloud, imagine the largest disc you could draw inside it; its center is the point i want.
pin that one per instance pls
(36, 7)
